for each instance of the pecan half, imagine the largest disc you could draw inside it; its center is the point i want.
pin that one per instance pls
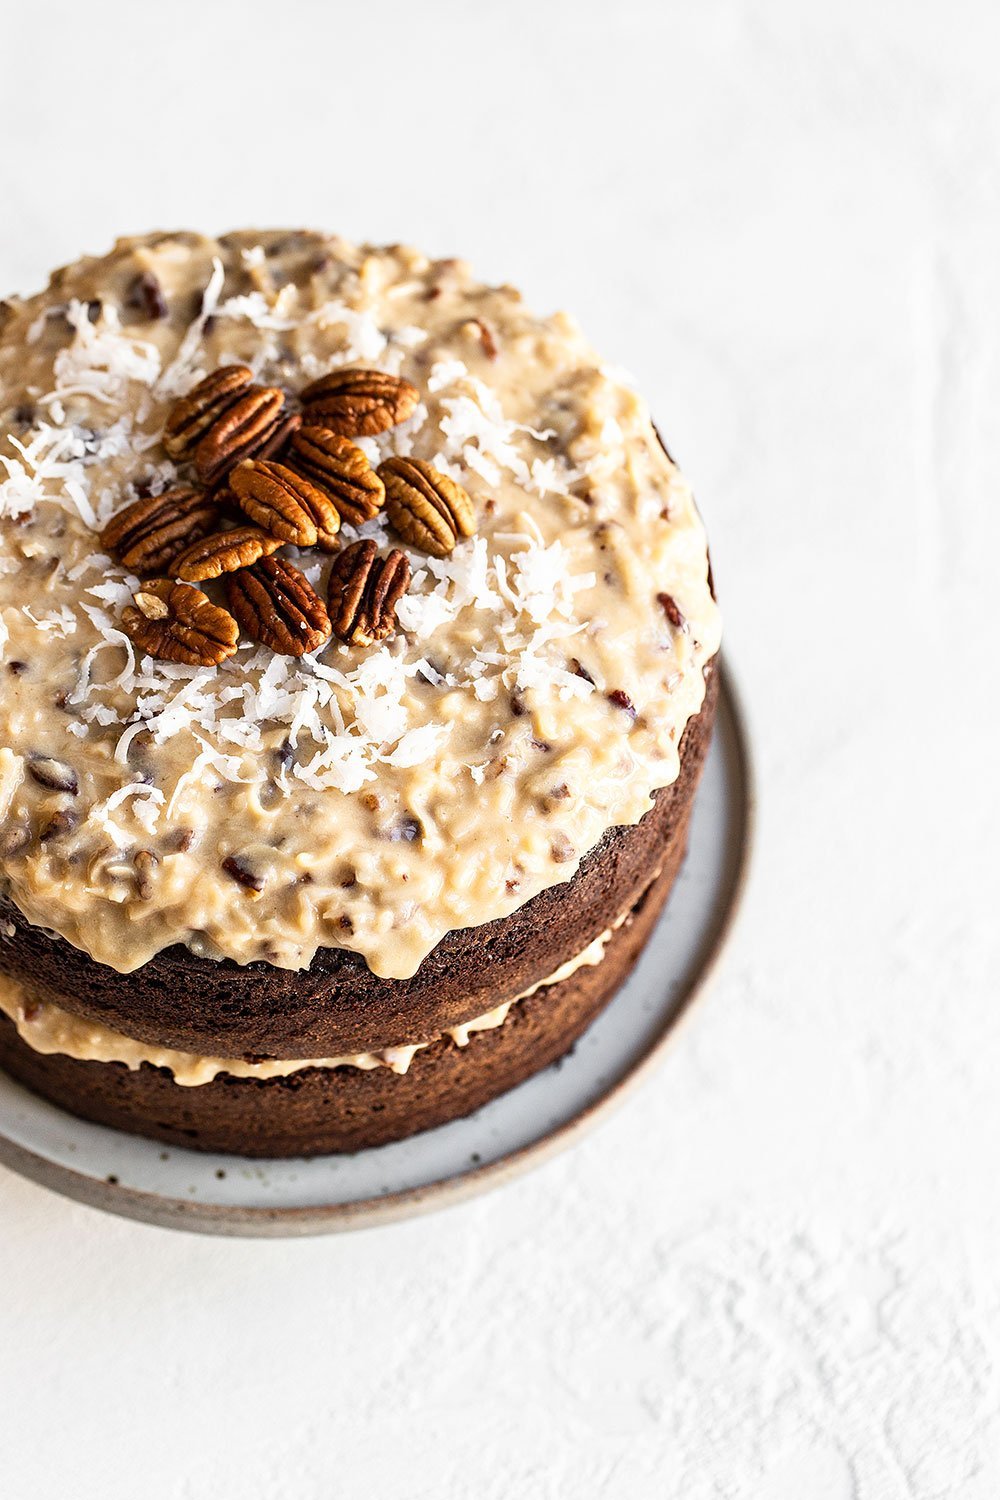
(278, 607)
(285, 504)
(191, 417)
(359, 403)
(225, 552)
(14, 839)
(340, 469)
(175, 622)
(258, 425)
(364, 590)
(429, 510)
(149, 535)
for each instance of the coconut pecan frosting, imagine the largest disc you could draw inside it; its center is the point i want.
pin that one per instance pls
(343, 601)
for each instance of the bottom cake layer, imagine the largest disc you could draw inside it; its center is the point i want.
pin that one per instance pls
(343, 1109)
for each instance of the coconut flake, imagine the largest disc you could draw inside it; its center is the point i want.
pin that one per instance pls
(423, 668)
(115, 592)
(61, 622)
(48, 467)
(146, 804)
(341, 765)
(102, 360)
(255, 308)
(445, 372)
(365, 340)
(478, 427)
(183, 372)
(418, 745)
(410, 336)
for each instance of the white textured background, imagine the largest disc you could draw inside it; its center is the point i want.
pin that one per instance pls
(776, 1274)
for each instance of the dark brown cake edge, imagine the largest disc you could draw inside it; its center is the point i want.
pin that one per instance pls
(337, 1005)
(320, 1111)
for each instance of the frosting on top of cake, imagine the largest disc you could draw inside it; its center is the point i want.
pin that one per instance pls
(372, 798)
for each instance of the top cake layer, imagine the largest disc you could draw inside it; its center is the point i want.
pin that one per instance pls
(368, 797)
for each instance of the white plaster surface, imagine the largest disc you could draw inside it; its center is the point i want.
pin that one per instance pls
(776, 1273)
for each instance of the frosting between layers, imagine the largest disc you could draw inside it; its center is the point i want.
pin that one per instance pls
(49, 1029)
(535, 696)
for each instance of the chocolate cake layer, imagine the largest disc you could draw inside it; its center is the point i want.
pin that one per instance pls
(345, 1109)
(337, 1005)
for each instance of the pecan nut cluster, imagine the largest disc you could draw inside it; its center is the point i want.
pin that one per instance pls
(271, 473)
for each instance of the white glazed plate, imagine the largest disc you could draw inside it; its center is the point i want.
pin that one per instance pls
(230, 1195)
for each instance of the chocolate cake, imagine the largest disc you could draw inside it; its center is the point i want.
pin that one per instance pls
(357, 669)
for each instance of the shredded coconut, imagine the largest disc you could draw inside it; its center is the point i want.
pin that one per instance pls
(101, 360)
(185, 370)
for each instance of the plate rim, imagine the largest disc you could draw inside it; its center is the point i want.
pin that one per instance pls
(242, 1222)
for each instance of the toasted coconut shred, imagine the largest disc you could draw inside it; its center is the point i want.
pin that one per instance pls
(375, 798)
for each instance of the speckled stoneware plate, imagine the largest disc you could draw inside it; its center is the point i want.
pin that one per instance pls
(229, 1195)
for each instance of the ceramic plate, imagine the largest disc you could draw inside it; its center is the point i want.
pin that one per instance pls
(232, 1196)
